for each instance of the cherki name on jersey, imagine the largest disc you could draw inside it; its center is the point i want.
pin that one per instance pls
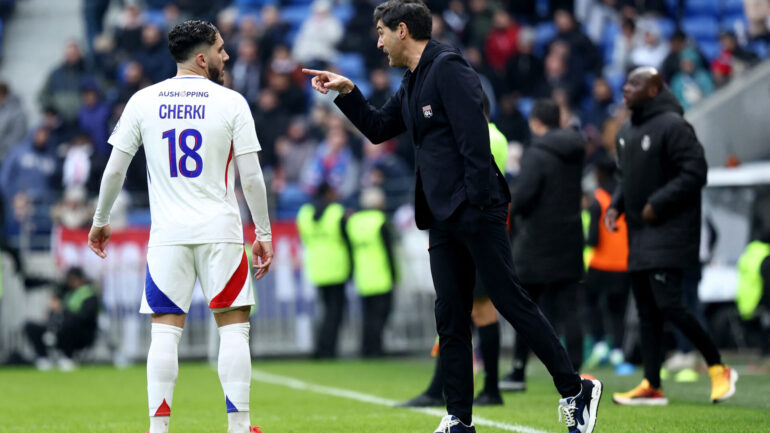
(182, 93)
(182, 111)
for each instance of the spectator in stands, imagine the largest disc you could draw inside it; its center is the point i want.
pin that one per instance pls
(732, 60)
(62, 88)
(479, 24)
(128, 35)
(105, 58)
(490, 81)
(93, 117)
(456, 17)
(270, 122)
(13, 121)
(380, 87)
(511, 122)
(274, 31)
(441, 33)
(382, 169)
(293, 152)
(93, 15)
(71, 324)
(692, 83)
(623, 47)
(72, 211)
(247, 71)
(677, 44)
(653, 50)
(291, 100)
(333, 163)
(600, 106)
(76, 163)
(318, 36)
(501, 42)
(524, 71)
(133, 80)
(583, 55)
(596, 14)
(558, 77)
(153, 55)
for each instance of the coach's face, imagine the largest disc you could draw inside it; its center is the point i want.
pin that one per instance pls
(391, 43)
(215, 61)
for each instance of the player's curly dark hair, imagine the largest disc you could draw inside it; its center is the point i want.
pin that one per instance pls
(185, 37)
(413, 13)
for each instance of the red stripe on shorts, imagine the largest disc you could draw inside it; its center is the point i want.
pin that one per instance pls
(233, 287)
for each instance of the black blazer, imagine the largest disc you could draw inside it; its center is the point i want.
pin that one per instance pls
(440, 103)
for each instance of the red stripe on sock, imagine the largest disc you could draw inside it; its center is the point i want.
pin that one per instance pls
(163, 410)
(226, 297)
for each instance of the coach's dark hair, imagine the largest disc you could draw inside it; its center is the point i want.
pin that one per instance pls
(547, 112)
(184, 38)
(413, 13)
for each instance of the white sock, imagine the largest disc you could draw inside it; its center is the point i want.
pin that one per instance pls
(234, 367)
(162, 370)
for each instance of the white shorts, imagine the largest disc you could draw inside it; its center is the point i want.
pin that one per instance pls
(223, 271)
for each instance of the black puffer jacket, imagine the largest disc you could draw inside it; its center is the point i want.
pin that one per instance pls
(548, 246)
(661, 162)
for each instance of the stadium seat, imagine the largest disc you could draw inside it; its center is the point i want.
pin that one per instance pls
(667, 27)
(710, 49)
(610, 33)
(295, 15)
(733, 22)
(139, 217)
(544, 32)
(701, 7)
(616, 82)
(525, 106)
(365, 87)
(732, 7)
(352, 66)
(700, 27)
(343, 12)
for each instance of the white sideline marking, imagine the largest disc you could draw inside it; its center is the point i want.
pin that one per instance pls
(300, 385)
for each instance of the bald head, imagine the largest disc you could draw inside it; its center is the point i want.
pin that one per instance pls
(643, 85)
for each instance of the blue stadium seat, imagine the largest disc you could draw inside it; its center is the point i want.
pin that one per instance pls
(700, 27)
(295, 15)
(701, 7)
(139, 217)
(352, 66)
(733, 21)
(544, 32)
(710, 49)
(365, 87)
(610, 33)
(732, 7)
(525, 106)
(616, 82)
(343, 12)
(667, 27)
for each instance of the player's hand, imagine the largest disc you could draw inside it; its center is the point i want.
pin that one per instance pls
(261, 257)
(98, 238)
(323, 81)
(611, 219)
(648, 214)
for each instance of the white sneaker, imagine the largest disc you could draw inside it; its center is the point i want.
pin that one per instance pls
(43, 364)
(65, 364)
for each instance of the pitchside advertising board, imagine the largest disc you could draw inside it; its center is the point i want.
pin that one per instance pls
(121, 275)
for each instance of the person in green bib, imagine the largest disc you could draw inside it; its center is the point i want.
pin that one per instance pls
(753, 294)
(321, 226)
(374, 269)
(71, 325)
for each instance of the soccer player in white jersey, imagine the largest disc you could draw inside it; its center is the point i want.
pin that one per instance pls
(192, 128)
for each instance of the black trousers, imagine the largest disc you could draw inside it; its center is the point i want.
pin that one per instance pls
(606, 301)
(559, 303)
(658, 295)
(333, 297)
(474, 240)
(68, 338)
(376, 310)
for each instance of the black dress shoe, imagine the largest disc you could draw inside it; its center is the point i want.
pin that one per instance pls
(422, 400)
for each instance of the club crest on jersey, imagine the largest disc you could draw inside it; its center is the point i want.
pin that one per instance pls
(646, 142)
(427, 112)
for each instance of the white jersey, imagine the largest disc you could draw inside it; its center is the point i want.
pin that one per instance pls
(191, 129)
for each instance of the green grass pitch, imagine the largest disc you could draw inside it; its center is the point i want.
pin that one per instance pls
(102, 399)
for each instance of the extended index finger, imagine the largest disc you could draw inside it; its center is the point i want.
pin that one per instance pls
(313, 71)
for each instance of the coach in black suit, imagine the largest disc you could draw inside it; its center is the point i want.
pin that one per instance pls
(459, 195)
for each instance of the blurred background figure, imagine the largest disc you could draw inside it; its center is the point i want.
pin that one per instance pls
(374, 267)
(321, 226)
(71, 324)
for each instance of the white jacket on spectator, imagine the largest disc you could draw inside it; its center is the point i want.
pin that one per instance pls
(318, 35)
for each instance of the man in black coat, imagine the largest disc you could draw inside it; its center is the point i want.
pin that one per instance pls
(462, 198)
(662, 171)
(548, 246)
